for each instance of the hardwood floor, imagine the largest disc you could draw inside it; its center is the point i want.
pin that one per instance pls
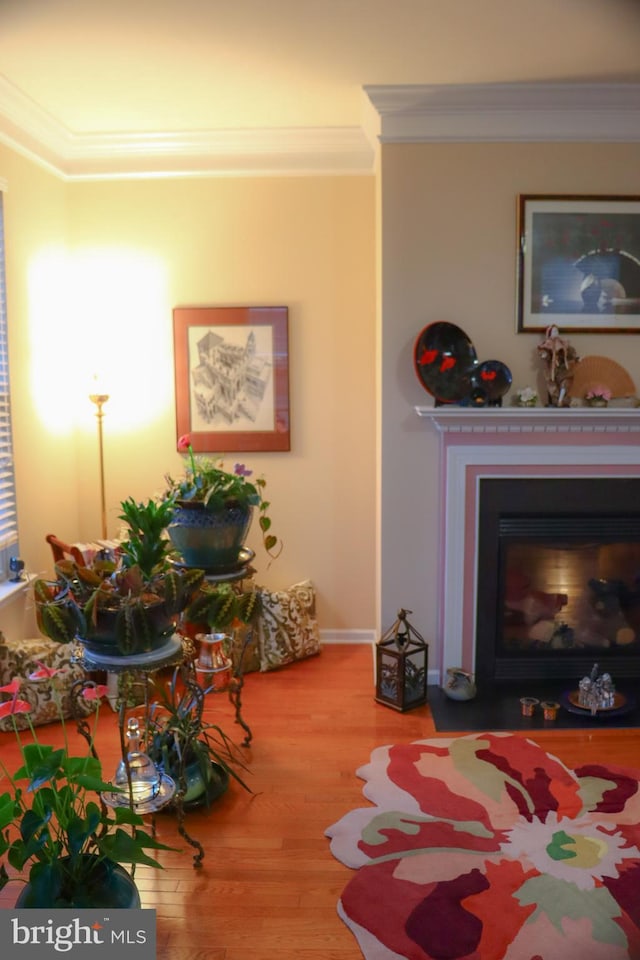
(268, 886)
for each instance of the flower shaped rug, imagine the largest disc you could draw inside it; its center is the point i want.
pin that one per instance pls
(485, 847)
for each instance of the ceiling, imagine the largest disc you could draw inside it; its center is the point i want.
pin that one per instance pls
(203, 86)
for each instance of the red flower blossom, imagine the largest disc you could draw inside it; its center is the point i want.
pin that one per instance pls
(95, 693)
(184, 443)
(10, 707)
(12, 687)
(43, 672)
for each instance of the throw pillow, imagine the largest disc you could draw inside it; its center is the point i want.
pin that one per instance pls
(19, 658)
(288, 629)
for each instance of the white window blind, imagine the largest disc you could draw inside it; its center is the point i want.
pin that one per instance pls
(8, 512)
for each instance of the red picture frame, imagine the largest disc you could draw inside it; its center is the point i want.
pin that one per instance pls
(232, 378)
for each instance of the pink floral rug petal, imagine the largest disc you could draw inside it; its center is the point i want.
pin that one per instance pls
(485, 847)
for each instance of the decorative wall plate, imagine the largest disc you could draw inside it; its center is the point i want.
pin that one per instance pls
(601, 372)
(493, 378)
(444, 358)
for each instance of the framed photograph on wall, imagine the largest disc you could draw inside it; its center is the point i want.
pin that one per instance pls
(579, 263)
(232, 378)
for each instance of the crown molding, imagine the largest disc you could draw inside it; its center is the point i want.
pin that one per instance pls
(590, 112)
(391, 113)
(294, 151)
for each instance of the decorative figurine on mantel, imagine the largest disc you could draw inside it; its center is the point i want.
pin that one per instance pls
(559, 359)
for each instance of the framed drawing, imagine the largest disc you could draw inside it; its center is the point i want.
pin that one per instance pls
(232, 377)
(579, 263)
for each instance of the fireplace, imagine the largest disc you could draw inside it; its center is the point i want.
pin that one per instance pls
(558, 578)
(485, 625)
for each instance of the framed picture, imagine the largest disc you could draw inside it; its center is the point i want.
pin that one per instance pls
(579, 263)
(232, 377)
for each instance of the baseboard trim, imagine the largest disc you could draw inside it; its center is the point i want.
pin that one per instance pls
(348, 636)
(370, 638)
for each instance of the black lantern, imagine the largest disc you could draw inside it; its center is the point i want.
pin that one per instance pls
(401, 666)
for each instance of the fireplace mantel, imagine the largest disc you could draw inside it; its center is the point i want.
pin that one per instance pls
(454, 419)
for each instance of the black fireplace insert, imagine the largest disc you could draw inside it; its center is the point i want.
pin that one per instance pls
(558, 578)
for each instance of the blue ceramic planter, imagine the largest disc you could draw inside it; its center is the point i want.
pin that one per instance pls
(210, 540)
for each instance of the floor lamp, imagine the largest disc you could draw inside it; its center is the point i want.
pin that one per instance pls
(100, 399)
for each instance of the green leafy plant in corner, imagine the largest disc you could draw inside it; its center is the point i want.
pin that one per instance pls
(55, 829)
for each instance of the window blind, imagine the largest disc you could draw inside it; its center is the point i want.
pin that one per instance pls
(8, 511)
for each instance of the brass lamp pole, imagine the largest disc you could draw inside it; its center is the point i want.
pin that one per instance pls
(100, 399)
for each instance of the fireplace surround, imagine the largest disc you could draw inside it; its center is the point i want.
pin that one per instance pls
(528, 447)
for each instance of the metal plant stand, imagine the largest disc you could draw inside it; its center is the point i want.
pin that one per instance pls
(143, 665)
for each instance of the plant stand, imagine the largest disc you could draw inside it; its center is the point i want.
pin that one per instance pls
(143, 665)
(235, 689)
(236, 579)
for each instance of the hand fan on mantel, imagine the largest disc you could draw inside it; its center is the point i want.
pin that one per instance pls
(601, 372)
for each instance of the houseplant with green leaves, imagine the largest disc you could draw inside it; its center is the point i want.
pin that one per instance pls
(212, 512)
(121, 607)
(196, 754)
(56, 833)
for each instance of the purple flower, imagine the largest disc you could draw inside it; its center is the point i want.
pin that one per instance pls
(241, 471)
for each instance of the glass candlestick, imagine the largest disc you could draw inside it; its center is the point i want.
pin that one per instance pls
(141, 785)
(145, 776)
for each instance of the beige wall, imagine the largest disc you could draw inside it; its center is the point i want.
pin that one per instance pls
(448, 231)
(136, 249)
(446, 251)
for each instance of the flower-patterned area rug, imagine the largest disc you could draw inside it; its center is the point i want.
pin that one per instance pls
(486, 847)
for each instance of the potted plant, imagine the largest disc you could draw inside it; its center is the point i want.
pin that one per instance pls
(146, 545)
(124, 607)
(215, 609)
(212, 511)
(220, 605)
(598, 396)
(527, 397)
(197, 755)
(68, 847)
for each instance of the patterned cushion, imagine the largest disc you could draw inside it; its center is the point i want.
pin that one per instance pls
(19, 658)
(288, 629)
(245, 645)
